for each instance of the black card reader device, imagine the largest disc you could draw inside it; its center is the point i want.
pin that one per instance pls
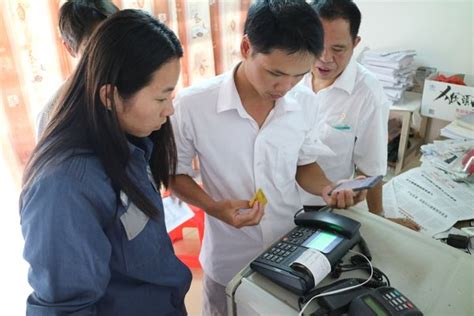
(383, 301)
(331, 234)
(364, 301)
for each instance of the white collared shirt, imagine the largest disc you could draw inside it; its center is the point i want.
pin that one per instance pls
(237, 157)
(353, 122)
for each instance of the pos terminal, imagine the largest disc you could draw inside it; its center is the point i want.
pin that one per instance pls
(330, 234)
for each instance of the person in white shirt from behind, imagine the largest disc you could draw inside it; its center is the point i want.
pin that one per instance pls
(352, 107)
(77, 20)
(252, 128)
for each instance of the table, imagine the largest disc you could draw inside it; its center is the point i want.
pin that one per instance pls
(409, 104)
(438, 279)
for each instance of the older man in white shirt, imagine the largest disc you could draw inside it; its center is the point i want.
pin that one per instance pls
(250, 130)
(352, 108)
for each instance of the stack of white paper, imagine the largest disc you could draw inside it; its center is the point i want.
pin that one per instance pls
(394, 69)
(461, 128)
(176, 213)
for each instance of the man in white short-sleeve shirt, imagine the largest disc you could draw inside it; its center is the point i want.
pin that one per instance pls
(251, 130)
(352, 107)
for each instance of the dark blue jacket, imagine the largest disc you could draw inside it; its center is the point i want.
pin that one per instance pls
(86, 254)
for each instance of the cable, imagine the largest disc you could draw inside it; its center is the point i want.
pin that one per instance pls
(316, 291)
(378, 276)
(364, 248)
(358, 262)
(344, 289)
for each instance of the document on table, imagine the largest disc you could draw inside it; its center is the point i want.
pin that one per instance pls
(447, 155)
(176, 213)
(429, 197)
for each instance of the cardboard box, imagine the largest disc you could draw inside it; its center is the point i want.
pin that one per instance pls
(447, 101)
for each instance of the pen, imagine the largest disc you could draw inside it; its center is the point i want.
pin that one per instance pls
(342, 127)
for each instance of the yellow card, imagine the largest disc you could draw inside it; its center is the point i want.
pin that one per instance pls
(259, 196)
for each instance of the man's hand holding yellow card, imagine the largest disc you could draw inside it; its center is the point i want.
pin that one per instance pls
(259, 196)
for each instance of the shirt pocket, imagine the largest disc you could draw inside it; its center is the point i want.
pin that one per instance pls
(341, 142)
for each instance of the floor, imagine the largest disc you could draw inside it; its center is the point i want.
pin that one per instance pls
(190, 245)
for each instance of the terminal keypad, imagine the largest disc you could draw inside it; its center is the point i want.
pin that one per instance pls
(397, 300)
(281, 250)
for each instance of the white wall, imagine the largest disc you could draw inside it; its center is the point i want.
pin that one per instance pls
(441, 31)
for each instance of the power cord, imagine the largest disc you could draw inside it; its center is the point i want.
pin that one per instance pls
(358, 263)
(343, 289)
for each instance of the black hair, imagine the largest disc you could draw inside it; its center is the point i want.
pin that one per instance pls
(124, 52)
(79, 18)
(289, 25)
(339, 9)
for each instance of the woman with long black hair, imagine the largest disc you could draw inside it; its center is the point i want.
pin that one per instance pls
(91, 212)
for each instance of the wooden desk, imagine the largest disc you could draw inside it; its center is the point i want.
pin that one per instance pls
(410, 103)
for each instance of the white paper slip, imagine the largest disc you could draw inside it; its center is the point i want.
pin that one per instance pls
(314, 262)
(176, 213)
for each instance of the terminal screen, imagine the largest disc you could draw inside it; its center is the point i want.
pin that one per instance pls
(323, 241)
